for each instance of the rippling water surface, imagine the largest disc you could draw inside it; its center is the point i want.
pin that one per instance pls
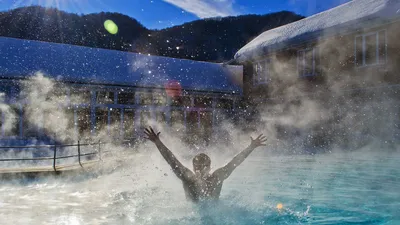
(345, 188)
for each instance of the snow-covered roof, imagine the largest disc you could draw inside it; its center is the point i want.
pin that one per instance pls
(348, 15)
(21, 58)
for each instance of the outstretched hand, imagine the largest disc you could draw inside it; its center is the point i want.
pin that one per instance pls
(259, 141)
(151, 135)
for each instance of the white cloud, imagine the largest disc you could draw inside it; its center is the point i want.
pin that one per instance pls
(206, 8)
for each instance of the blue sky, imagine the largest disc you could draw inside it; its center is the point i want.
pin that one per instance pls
(157, 14)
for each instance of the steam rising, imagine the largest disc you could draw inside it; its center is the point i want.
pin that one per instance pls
(9, 118)
(335, 114)
(46, 101)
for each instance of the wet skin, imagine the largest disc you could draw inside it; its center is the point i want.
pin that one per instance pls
(201, 184)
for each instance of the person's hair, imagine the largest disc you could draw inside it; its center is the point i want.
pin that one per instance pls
(202, 159)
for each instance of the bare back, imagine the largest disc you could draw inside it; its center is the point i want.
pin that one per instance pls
(206, 186)
(202, 188)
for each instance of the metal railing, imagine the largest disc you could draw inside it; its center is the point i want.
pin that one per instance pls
(56, 148)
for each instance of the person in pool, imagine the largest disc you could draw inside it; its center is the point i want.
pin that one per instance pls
(201, 184)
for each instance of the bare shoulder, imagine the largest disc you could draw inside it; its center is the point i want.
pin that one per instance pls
(188, 177)
(215, 176)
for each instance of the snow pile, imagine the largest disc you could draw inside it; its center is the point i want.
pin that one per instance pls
(343, 15)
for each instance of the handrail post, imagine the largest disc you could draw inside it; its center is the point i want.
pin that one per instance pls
(100, 151)
(54, 159)
(79, 154)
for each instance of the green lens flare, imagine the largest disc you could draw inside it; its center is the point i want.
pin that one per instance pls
(111, 27)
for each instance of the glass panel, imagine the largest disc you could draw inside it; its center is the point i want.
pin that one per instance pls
(177, 117)
(181, 101)
(105, 97)
(260, 70)
(145, 117)
(300, 63)
(264, 73)
(308, 63)
(70, 116)
(59, 94)
(129, 120)
(146, 98)
(206, 125)
(192, 121)
(161, 117)
(370, 49)
(115, 122)
(359, 51)
(225, 103)
(101, 119)
(80, 96)
(203, 102)
(159, 99)
(255, 73)
(382, 47)
(83, 121)
(126, 98)
(317, 66)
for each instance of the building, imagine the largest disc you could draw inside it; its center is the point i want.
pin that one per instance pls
(344, 61)
(118, 91)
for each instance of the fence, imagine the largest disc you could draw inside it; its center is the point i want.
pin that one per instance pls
(55, 148)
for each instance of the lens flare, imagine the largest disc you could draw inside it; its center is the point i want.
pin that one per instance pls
(173, 88)
(111, 27)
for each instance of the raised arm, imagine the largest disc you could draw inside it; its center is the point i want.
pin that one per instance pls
(224, 172)
(180, 171)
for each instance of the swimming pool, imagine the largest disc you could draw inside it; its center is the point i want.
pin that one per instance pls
(339, 188)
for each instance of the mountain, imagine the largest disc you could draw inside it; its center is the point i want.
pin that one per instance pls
(212, 39)
(52, 25)
(215, 39)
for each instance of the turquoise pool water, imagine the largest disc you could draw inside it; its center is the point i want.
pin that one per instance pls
(339, 188)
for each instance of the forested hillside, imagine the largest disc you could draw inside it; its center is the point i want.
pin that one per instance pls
(215, 39)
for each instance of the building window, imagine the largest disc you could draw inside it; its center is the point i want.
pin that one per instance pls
(161, 117)
(181, 101)
(115, 122)
(105, 97)
(129, 123)
(225, 103)
(370, 49)
(159, 99)
(145, 117)
(80, 96)
(192, 122)
(145, 98)
(203, 102)
(177, 117)
(307, 62)
(83, 121)
(126, 98)
(261, 72)
(101, 119)
(59, 94)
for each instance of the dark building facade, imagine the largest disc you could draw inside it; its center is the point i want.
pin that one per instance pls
(343, 61)
(117, 91)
